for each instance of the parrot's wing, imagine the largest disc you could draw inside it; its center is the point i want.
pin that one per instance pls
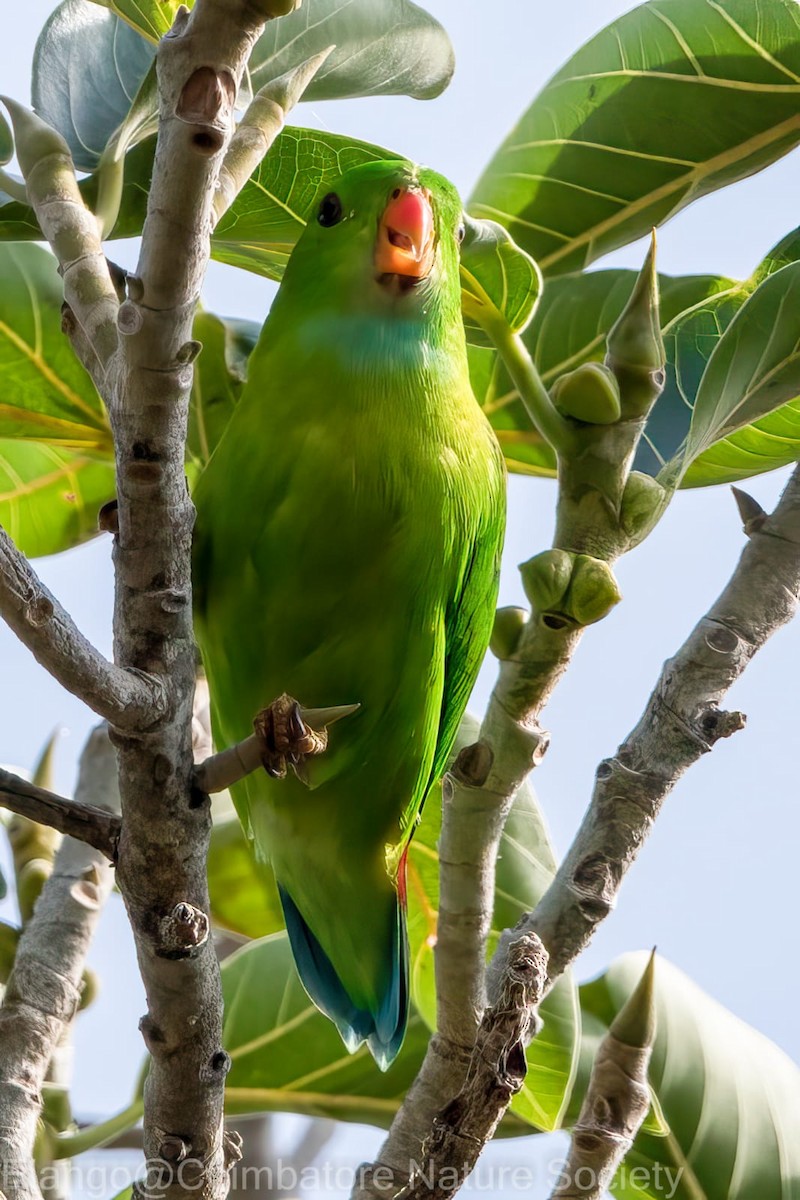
(468, 625)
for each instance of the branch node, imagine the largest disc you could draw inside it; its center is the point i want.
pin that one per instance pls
(173, 1149)
(134, 287)
(232, 1148)
(722, 639)
(39, 611)
(183, 932)
(716, 723)
(218, 1066)
(152, 1034)
(473, 764)
(130, 318)
(189, 352)
(752, 514)
(206, 102)
(108, 518)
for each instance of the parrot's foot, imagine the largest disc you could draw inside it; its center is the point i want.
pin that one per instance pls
(290, 734)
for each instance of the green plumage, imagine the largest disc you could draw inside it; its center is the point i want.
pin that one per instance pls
(347, 550)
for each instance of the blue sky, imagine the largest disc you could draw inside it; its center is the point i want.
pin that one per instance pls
(718, 872)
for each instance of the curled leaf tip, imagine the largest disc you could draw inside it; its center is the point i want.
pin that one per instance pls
(635, 1023)
(506, 631)
(287, 89)
(752, 514)
(34, 138)
(42, 774)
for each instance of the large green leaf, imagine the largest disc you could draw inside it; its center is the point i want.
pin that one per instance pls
(753, 371)
(671, 101)
(259, 231)
(87, 68)
(243, 894)
(730, 1097)
(525, 867)
(89, 63)
(287, 1057)
(46, 394)
(49, 497)
(690, 339)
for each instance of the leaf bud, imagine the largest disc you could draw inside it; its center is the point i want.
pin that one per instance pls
(546, 578)
(33, 137)
(642, 502)
(506, 631)
(593, 591)
(590, 393)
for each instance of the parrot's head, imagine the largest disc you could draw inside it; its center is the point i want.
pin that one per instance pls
(383, 238)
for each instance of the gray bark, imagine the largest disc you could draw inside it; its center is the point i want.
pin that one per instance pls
(44, 988)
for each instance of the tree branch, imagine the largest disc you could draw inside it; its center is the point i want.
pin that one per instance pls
(682, 722)
(166, 820)
(496, 1073)
(70, 228)
(97, 827)
(44, 989)
(260, 125)
(617, 1099)
(126, 698)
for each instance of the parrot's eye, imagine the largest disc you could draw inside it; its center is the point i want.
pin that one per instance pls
(330, 210)
(461, 233)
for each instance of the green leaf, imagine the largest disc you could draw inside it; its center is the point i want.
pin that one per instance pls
(50, 492)
(383, 48)
(690, 339)
(568, 328)
(151, 18)
(244, 896)
(87, 68)
(287, 1057)
(260, 230)
(669, 102)
(46, 392)
(49, 497)
(525, 867)
(498, 280)
(89, 63)
(219, 376)
(753, 371)
(730, 1097)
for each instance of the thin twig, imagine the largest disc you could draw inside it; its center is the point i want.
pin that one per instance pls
(70, 228)
(126, 699)
(96, 827)
(261, 123)
(617, 1099)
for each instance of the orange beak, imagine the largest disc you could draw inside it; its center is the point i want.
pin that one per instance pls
(406, 235)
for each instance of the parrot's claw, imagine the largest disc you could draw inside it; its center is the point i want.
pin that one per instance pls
(290, 734)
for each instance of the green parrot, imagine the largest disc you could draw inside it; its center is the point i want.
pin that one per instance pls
(347, 550)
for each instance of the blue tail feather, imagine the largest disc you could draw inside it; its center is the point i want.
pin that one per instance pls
(384, 1030)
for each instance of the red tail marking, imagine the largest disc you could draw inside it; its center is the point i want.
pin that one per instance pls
(402, 889)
